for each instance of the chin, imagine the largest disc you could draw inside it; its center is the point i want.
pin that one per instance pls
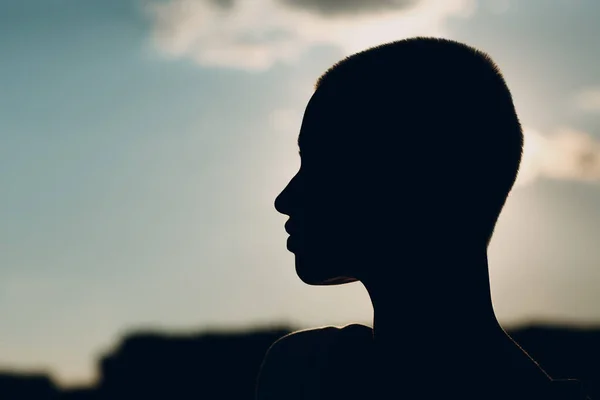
(317, 275)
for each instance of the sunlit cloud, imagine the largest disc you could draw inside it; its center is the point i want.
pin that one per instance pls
(345, 7)
(256, 34)
(588, 99)
(565, 154)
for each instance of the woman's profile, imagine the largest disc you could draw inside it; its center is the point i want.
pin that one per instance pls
(409, 151)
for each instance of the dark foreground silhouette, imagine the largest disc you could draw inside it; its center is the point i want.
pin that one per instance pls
(224, 366)
(408, 152)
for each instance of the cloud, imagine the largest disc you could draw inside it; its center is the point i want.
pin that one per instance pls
(588, 99)
(226, 4)
(565, 154)
(331, 8)
(256, 34)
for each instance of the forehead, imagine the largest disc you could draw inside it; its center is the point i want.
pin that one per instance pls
(319, 121)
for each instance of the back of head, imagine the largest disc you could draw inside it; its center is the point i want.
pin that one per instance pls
(428, 128)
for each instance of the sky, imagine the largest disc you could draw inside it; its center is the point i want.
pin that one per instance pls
(143, 142)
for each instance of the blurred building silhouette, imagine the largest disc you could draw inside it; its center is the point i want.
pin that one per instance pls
(195, 367)
(225, 365)
(27, 386)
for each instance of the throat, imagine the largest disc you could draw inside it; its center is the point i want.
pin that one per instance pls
(427, 317)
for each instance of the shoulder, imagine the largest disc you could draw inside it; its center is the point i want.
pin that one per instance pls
(302, 345)
(295, 349)
(289, 362)
(297, 341)
(568, 389)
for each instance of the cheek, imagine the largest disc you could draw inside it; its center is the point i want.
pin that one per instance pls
(331, 234)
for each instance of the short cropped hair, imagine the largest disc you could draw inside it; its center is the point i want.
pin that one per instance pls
(437, 107)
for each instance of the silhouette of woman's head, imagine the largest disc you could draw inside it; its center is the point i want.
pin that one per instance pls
(405, 148)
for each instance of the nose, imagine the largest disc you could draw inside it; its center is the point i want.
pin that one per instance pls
(284, 202)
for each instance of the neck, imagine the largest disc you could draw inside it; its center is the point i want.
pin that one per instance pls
(435, 306)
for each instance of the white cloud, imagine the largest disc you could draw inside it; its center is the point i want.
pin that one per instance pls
(344, 7)
(588, 99)
(256, 34)
(565, 154)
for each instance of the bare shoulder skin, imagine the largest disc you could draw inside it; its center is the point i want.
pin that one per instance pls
(292, 365)
(310, 363)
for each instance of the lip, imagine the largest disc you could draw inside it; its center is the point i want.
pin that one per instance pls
(290, 228)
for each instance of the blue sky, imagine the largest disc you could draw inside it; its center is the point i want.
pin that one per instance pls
(142, 144)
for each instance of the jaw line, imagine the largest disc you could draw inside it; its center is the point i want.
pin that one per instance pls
(338, 280)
